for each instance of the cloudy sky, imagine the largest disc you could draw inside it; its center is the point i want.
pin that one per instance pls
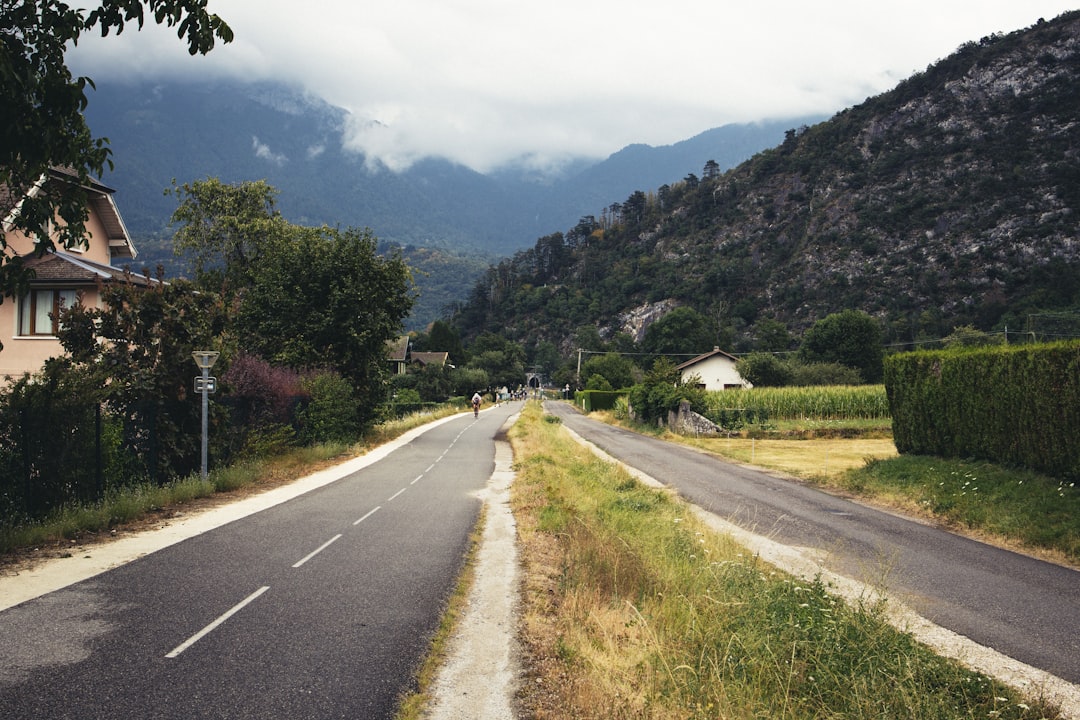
(485, 82)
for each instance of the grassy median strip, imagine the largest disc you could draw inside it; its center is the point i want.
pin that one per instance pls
(632, 609)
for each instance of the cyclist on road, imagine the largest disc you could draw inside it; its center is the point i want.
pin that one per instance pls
(476, 404)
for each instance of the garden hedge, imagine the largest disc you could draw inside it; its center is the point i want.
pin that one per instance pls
(1016, 405)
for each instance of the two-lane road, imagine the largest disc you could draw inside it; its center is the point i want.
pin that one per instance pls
(1024, 608)
(319, 607)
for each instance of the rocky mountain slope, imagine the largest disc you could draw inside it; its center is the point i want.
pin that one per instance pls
(953, 199)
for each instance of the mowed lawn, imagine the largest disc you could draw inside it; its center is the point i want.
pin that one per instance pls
(819, 458)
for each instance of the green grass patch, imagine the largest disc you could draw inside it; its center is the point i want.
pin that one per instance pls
(653, 615)
(1037, 511)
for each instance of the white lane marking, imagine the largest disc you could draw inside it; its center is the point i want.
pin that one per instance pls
(418, 477)
(209, 628)
(430, 468)
(370, 513)
(316, 551)
(397, 493)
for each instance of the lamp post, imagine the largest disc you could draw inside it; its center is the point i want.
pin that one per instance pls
(205, 384)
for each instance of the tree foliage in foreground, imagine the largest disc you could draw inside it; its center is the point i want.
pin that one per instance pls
(42, 104)
(136, 350)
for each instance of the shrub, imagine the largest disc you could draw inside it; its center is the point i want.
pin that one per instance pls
(330, 413)
(764, 370)
(661, 391)
(260, 393)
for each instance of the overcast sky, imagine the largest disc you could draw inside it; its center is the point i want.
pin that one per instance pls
(484, 82)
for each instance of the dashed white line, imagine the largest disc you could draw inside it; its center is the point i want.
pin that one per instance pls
(418, 477)
(209, 628)
(430, 468)
(316, 551)
(397, 493)
(369, 514)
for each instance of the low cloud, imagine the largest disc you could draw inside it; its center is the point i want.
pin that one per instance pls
(484, 82)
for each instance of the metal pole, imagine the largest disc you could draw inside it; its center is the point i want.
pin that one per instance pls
(205, 410)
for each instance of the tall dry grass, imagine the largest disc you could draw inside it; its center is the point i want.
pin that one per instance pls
(632, 609)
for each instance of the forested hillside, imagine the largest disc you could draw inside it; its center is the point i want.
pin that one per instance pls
(951, 200)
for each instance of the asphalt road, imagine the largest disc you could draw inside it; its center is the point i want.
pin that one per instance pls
(320, 607)
(1024, 608)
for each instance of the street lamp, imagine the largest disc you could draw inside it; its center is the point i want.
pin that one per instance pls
(205, 384)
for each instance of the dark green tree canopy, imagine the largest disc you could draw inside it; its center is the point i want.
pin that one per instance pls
(41, 103)
(617, 370)
(852, 338)
(682, 331)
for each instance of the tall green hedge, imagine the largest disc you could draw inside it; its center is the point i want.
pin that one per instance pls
(591, 400)
(1015, 405)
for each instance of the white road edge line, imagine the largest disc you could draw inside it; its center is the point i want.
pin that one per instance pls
(209, 628)
(370, 513)
(396, 494)
(316, 551)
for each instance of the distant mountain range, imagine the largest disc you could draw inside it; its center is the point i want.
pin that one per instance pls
(460, 219)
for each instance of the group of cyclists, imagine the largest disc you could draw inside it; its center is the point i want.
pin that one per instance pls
(477, 399)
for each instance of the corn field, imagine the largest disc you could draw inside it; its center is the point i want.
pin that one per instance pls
(827, 402)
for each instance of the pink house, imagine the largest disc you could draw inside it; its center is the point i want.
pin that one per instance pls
(62, 277)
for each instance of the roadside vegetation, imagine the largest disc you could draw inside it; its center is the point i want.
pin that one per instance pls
(632, 608)
(135, 503)
(840, 438)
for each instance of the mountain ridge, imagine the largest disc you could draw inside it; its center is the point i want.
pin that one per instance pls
(952, 199)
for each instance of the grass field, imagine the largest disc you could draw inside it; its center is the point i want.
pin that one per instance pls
(828, 458)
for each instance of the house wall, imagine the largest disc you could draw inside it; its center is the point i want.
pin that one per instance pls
(22, 354)
(27, 354)
(716, 373)
(97, 249)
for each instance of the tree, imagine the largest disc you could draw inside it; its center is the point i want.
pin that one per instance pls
(661, 391)
(851, 338)
(501, 359)
(41, 106)
(615, 369)
(323, 297)
(772, 336)
(682, 331)
(302, 297)
(764, 369)
(225, 230)
(442, 338)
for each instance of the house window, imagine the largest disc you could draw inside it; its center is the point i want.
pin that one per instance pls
(39, 308)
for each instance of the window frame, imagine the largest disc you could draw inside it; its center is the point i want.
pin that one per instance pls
(30, 314)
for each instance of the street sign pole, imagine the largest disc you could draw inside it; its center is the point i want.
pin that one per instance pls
(205, 360)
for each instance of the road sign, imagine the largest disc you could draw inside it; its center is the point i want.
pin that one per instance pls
(207, 384)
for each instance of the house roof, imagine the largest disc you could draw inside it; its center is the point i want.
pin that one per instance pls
(397, 350)
(61, 267)
(430, 358)
(701, 358)
(100, 198)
